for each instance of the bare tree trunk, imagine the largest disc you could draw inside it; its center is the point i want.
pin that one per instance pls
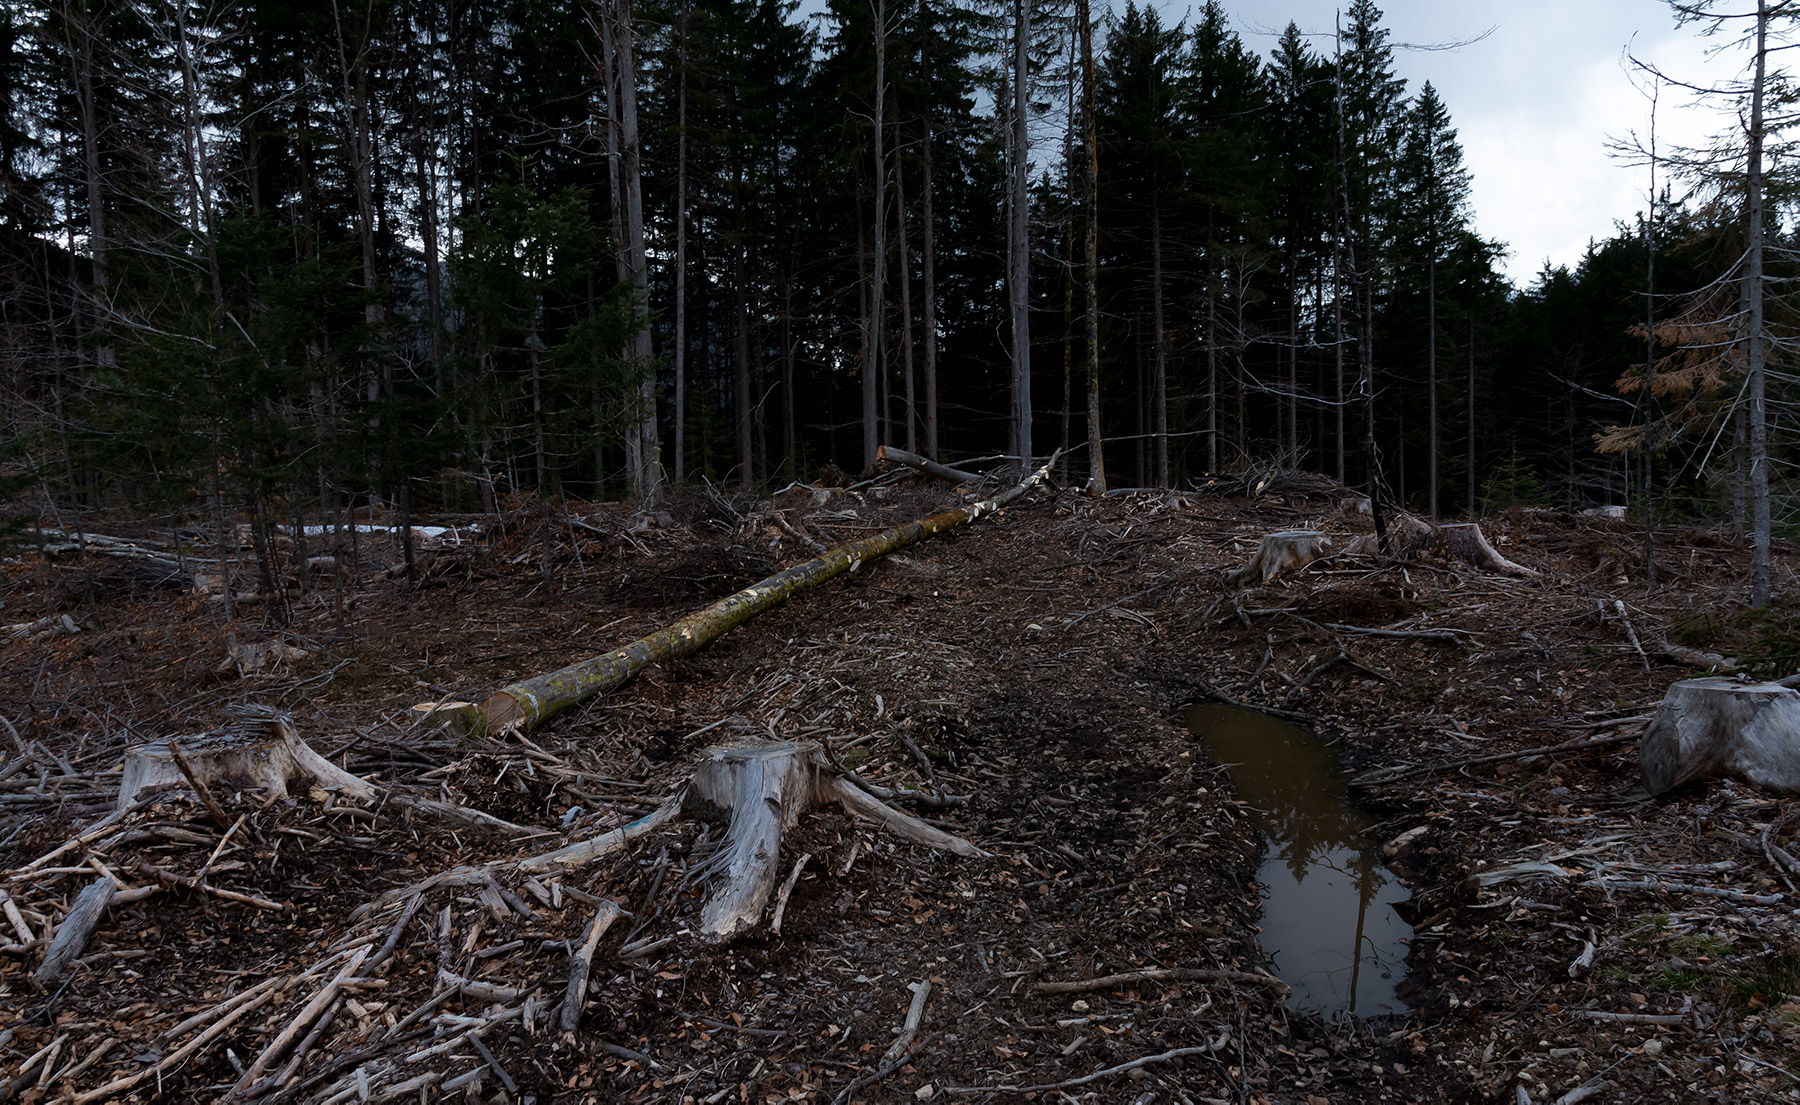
(1068, 351)
(1158, 362)
(740, 357)
(645, 468)
(83, 61)
(1431, 404)
(1019, 268)
(681, 145)
(1091, 193)
(906, 327)
(1472, 502)
(1212, 379)
(871, 411)
(1753, 297)
(1650, 358)
(878, 305)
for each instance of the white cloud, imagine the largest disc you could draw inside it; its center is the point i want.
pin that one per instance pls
(1535, 103)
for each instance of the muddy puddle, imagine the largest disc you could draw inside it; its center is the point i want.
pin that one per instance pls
(1329, 924)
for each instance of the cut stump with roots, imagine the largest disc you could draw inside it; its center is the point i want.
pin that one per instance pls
(1281, 552)
(762, 788)
(1464, 541)
(263, 754)
(1719, 726)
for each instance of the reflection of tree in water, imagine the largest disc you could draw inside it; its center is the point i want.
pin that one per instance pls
(1290, 779)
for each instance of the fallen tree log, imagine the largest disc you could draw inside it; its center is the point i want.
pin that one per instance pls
(927, 465)
(1719, 726)
(528, 704)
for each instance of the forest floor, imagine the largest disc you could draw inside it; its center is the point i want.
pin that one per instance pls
(1041, 661)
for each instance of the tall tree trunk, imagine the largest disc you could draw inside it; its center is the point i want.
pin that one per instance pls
(1091, 265)
(1431, 376)
(1158, 362)
(681, 149)
(1019, 268)
(1474, 506)
(906, 327)
(878, 270)
(871, 411)
(1212, 379)
(1650, 357)
(740, 356)
(1753, 310)
(645, 468)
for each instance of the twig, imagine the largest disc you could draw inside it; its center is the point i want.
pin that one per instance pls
(1654, 886)
(1380, 776)
(191, 883)
(175, 1058)
(1631, 633)
(914, 1014)
(1160, 1057)
(787, 888)
(581, 962)
(1633, 1018)
(201, 791)
(488, 1058)
(879, 1073)
(1161, 974)
(308, 1013)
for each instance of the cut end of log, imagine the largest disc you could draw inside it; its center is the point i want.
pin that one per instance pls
(1719, 726)
(462, 717)
(504, 710)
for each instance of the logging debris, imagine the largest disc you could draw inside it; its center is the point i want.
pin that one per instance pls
(1115, 846)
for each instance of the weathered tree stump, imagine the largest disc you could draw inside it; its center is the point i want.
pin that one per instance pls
(1407, 534)
(1464, 541)
(1281, 552)
(763, 788)
(1719, 726)
(265, 754)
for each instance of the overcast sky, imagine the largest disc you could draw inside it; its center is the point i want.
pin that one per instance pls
(1534, 103)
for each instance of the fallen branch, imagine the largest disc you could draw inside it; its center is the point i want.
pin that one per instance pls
(914, 1014)
(75, 931)
(1160, 1057)
(927, 465)
(1382, 776)
(528, 704)
(1633, 1018)
(1653, 886)
(170, 878)
(175, 1058)
(581, 961)
(1162, 974)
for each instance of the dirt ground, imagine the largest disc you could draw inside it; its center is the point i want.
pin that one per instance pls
(1038, 662)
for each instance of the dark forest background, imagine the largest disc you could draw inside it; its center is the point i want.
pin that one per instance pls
(282, 259)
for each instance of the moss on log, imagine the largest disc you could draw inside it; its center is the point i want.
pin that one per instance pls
(528, 704)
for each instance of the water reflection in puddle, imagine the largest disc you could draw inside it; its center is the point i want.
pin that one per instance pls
(1328, 919)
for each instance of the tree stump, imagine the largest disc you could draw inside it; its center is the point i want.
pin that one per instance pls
(1281, 552)
(762, 788)
(1464, 541)
(1719, 726)
(265, 754)
(1407, 534)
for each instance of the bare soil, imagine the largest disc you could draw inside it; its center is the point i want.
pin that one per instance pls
(1039, 661)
